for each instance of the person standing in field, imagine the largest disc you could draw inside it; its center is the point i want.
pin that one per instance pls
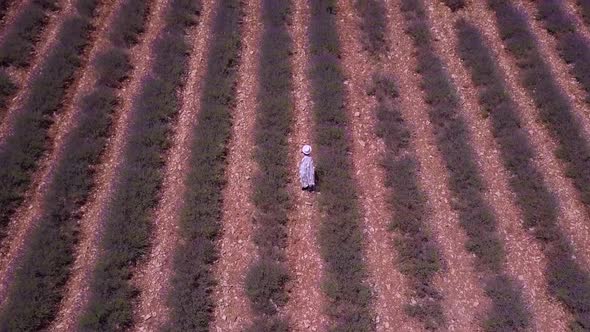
(306, 170)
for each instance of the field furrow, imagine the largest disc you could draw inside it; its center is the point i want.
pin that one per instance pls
(476, 217)
(307, 302)
(128, 220)
(192, 296)
(9, 10)
(39, 134)
(577, 228)
(268, 273)
(368, 154)
(494, 142)
(154, 278)
(551, 172)
(23, 34)
(455, 5)
(571, 10)
(23, 144)
(237, 249)
(551, 91)
(583, 7)
(19, 33)
(463, 297)
(567, 50)
(104, 106)
(340, 235)
(567, 279)
(419, 256)
(5, 5)
(23, 50)
(558, 41)
(67, 177)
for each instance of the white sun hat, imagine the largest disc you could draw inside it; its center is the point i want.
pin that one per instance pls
(306, 149)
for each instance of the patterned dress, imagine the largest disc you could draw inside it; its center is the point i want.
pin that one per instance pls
(306, 172)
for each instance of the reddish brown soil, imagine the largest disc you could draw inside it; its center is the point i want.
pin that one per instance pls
(154, 277)
(572, 216)
(559, 69)
(306, 299)
(27, 215)
(24, 77)
(367, 150)
(77, 288)
(524, 262)
(236, 249)
(464, 300)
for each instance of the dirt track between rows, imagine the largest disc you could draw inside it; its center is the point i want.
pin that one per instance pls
(306, 299)
(236, 247)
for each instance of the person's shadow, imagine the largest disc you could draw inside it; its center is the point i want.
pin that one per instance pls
(318, 180)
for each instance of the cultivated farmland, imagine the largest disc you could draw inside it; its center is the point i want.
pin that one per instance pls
(149, 154)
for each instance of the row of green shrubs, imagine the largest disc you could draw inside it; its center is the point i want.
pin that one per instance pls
(475, 215)
(7, 89)
(128, 218)
(38, 288)
(584, 6)
(567, 281)
(192, 282)
(454, 5)
(190, 298)
(419, 257)
(28, 139)
(23, 34)
(4, 4)
(572, 46)
(340, 233)
(126, 33)
(266, 277)
(555, 111)
(373, 25)
(17, 46)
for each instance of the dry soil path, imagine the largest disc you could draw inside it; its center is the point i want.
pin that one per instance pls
(236, 247)
(306, 300)
(154, 277)
(78, 287)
